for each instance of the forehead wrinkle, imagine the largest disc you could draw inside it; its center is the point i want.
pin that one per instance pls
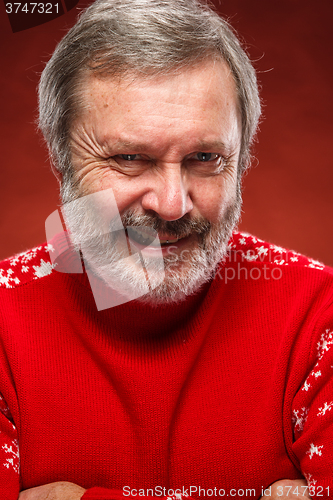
(140, 136)
(128, 146)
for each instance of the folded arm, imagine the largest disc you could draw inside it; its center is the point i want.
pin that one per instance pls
(55, 491)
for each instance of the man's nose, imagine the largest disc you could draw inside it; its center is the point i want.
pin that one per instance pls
(168, 194)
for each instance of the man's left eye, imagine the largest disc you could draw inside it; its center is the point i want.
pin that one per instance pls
(129, 157)
(206, 156)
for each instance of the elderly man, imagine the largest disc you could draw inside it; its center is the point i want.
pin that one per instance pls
(184, 358)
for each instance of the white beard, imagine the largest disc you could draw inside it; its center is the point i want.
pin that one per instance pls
(171, 278)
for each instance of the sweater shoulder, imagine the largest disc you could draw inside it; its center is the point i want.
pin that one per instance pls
(244, 247)
(25, 267)
(35, 263)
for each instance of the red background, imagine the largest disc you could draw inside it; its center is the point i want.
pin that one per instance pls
(287, 196)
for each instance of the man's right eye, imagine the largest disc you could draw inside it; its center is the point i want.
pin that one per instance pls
(129, 157)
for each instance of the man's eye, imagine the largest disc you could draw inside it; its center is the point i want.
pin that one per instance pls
(206, 156)
(129, 157)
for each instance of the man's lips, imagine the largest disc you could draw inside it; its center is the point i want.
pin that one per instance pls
(145, 237)
(148, 237)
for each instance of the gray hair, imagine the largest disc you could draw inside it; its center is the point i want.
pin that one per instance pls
(146, 38)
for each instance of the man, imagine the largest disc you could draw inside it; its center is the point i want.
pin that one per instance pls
(216, 379)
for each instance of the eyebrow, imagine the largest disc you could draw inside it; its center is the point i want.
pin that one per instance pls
(201, 146)
(128, 145)
(215, 146)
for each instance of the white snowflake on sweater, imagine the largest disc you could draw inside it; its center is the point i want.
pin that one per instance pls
(325, 343)
(262, 250)
(315, 450)
(323, 346)
(306, 385)
(310, 479)
(299, 418)
(26, 266)
(4, 409)
(250, 256)
(280, 262)
(315, 264)
(44, 269)
(277, 249)
(25, 257)
(325, 408)
(315, 374)
(13, 460)
(7, 280)
(176, 496)
(256, 249)
(49, 248)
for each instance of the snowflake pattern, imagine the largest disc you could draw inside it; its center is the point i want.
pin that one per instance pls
(325, 343)
(4, 408)
(299, 418)
(249, 256)
(315, 450)
(323, 346)
(306, 385)
(7, 280)
(315, 264)
(262, 250)
(250, 249)
(26, 266)
(310, 479)
(325, 408)
(35, 263)
(44, 269)
(12, 461)
(176, 496)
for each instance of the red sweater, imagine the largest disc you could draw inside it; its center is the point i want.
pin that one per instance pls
(229, 391)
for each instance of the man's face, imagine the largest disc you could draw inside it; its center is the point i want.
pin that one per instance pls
(169, 148)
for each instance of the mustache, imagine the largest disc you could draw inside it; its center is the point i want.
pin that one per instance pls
(179, 228)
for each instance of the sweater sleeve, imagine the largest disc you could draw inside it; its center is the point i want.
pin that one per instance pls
(9, 454)
(313, 420)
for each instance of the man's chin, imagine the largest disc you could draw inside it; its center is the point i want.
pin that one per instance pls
(154, 274)
(171, 291)
(155, 277)
(182, 277)
(149, 280)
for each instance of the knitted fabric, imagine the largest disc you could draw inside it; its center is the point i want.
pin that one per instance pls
(227, 391)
